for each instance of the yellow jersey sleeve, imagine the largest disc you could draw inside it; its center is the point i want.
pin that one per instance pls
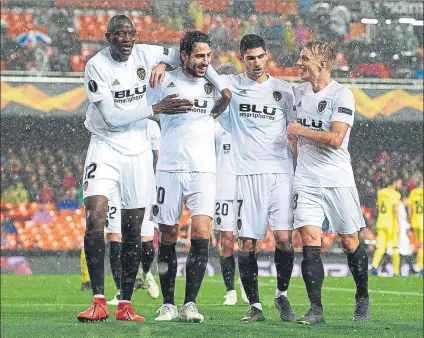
(416, 204)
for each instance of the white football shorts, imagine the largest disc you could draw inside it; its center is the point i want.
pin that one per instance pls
(174, 189)
(114, 218)
(224, 216)
(260, 199)
(339, 204)
(107, 170)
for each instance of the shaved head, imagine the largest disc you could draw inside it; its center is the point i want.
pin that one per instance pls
(116, 20)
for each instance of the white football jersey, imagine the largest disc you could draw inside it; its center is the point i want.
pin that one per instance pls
(225, 181)
(258, 115)
(187, 140)
(127, 83)
(317, 165)
(404, 226)
(153, 134)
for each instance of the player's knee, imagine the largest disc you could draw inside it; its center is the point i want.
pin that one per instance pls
(114, 237)
(227, 246)
(200, 227)
(283, 240)
(96, 213)
(311, 236)
(168, 235)
(247, 244)
(350, 242)
(145, 239)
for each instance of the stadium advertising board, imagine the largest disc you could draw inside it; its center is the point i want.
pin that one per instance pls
(66, 97)
(335, 266)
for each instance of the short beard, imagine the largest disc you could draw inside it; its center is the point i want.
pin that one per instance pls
(191, 70)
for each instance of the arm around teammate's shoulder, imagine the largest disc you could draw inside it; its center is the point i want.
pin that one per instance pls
(98, 89)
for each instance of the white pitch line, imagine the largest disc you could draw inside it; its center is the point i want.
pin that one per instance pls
(200, 305)
(383, 292)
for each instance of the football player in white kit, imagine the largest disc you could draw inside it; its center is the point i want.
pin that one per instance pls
(260, 109)
(224, 214)
(405, 250)
(324, 184)
(113, 230)
(116, 80)
(186, 174)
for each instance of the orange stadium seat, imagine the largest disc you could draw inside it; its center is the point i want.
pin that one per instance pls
(214, 6)
(380, 70)
(273, 7)
(11, 241)
(289, 7)
(123, 4)
(18, 22)
(265, 6)
(92, 27)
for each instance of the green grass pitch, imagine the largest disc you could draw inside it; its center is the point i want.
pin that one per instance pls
(45, 306)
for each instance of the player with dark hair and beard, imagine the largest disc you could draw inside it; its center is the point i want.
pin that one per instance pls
(116, 80)
(186, 174)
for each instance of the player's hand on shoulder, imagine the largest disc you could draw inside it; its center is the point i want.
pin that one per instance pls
(157, 75)
(222, 104)
(171, 105)
(293, 130)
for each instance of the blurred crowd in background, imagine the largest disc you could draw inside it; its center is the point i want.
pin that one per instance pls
(54, 176)
(63, 37)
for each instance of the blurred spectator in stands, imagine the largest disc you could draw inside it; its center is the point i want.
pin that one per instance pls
(404, 39)
(67, 44)
(319, 21)
(305, 7)
(15, 193)
(42, 215)
(8, 227)
(339, 24)
(21, 59)
(219, 35)
(34, 192)
(68, 200)
(41, 57)
(7, 195)
(8, 45)
(21, 194)
(288, 53)
(58, 20)
(301, 33)
(419, 54)
(195, 12)
(47, 194)
(273, 35)
(80, 195)
(68, 180)
(242, 9)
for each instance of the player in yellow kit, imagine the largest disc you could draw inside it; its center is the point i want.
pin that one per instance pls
(415, 213)
(388, 200)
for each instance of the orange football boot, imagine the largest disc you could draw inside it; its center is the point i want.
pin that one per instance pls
(97, 312)
(124, 311)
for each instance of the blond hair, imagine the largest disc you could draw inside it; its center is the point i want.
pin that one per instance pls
(326, 50)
